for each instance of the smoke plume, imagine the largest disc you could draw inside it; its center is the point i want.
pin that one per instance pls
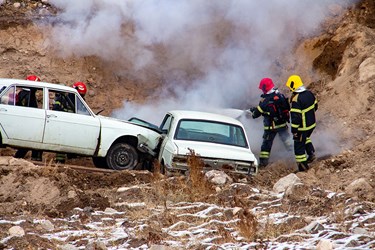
(208, 54)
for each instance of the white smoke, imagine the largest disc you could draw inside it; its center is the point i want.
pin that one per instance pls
(214, 52)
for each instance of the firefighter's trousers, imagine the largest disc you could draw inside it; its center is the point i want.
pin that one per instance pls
(303, 145)
(268, 138)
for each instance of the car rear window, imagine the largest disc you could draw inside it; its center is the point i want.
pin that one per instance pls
(211, 131)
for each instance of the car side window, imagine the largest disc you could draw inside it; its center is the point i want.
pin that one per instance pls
(9, 97)
(81, 108)
(24, 96)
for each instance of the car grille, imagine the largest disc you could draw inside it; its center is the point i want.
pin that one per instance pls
(244, 167)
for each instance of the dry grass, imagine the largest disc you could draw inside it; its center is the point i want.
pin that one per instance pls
(271, 230)
(139, 213)
(225, 235)
(164, 191)
(198, 185)
(248, 225)
(191, 188)
(338, 214)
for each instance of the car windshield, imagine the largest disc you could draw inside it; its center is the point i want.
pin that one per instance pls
(209, 131)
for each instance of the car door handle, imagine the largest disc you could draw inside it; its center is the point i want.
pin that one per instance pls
(51, 116)
(3, 109)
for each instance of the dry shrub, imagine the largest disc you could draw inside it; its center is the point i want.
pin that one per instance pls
(196, 165)
(338, 213)
(193, 187)
(151, 233)
(138, 213)
(48, 171)
(171, 190)
(225, 235)
(248, 224)
(199, 186)
(271, 230)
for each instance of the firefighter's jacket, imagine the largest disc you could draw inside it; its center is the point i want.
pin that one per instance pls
(302, 113)
(269, 122)
(63, 103)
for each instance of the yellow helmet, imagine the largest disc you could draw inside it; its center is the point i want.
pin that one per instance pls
(294, 82)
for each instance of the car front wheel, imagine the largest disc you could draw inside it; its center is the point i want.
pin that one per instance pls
(122, 156)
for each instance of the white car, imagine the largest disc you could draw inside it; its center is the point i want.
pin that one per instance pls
(53, 117)
(220, 141)
(31, 118)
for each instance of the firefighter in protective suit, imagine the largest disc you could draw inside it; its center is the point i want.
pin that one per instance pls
(274, 108)
(303, 122)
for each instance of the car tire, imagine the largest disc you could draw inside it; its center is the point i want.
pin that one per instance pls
(100, 162)
(122, 156)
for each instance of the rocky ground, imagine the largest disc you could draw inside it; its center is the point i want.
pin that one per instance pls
(331, 205)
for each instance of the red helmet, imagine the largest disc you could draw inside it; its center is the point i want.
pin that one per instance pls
(266, 84)
(33, 78)
(80, 87)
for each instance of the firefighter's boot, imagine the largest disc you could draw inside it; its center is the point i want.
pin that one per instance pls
(303, 166)
(263, 162)
(60, 158)
(36, 155)
(311, 158)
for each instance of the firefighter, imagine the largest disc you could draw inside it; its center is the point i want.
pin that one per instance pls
(274, 108)
(303, 122)
(81, 88)
(27, 98)
(61, 105)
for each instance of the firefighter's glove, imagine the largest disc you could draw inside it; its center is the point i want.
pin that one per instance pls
(297, 136)
(249, 112)
(253, 109)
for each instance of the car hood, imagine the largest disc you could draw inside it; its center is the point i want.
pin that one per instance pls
(114, 122)
(214, 150)
(146, 135)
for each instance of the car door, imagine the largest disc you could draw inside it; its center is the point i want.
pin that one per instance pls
(22, 124)
(71, 129)
(167, 147)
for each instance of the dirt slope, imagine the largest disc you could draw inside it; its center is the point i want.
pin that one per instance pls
(342, 57)
(338, 65)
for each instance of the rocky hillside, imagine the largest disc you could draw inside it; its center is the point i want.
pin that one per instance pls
(332, 205)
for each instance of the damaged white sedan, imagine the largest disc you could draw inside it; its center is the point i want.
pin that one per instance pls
(220, 141)
(30, 119)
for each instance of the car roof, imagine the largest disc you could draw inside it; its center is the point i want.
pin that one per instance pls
(201, 115)
(9, 81)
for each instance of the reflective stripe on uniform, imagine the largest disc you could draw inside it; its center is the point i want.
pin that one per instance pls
(307, 128)
(301, 158)
(294, 125)
(60, 156)
(295, 110)
(260, 109)
(264, 154)
(308, 140)
(303, 114)
(275, 127)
